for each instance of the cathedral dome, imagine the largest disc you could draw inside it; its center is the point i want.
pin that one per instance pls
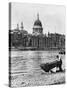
(37, 28)
(38, 22)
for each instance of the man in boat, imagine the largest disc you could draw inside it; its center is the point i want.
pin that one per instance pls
(58, 65)
(53, 66)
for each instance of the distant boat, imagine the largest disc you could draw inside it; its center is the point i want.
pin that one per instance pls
(62, 52)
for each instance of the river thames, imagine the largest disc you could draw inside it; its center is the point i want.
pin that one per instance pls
(26, 71)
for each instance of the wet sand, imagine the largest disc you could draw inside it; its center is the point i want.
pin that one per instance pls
(39, 79)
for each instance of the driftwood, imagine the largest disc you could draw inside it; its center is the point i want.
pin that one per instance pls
(48, 66)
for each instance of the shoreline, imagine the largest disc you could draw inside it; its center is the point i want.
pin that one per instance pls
(34, 49)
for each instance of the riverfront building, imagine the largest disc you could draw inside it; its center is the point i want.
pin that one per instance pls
(21, 38)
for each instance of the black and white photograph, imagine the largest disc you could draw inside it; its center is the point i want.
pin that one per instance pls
(37, 47)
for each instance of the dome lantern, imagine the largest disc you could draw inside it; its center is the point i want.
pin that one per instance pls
(38, 16)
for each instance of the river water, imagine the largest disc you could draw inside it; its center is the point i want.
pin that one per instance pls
(28, 62)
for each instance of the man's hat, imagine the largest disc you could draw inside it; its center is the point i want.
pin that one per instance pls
(57, 56)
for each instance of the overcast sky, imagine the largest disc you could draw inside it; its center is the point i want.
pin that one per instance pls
(51, 16)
